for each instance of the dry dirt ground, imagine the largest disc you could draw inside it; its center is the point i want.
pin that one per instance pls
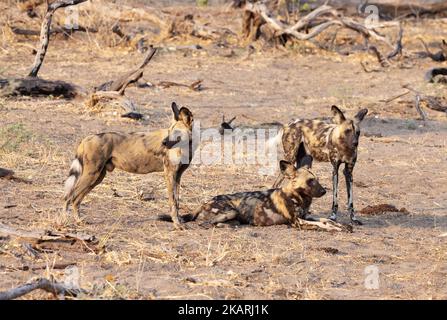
(402, 161)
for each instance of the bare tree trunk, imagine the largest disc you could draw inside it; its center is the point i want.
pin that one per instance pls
(45, 32)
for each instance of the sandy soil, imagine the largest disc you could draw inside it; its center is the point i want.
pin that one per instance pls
(402, 161)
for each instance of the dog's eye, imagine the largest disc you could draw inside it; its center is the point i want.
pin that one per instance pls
(310, 182)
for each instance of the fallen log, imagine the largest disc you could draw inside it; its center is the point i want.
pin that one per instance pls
(433, 74)
(33, 86)
(53, 287)
(6, 173)
(9, 175)
(53, 31)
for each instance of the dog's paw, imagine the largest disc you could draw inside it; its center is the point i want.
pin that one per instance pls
(180, 226)
(355, 221)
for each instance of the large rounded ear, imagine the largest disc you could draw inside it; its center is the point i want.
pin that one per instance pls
(360, 115)
(287, 169)
(306, 162)
(175, 110)
(339, 117)
(186, 116)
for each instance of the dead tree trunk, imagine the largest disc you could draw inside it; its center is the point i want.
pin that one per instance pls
(45, 32)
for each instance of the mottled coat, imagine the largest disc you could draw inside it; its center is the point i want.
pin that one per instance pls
(266, 208)
(169, 150)
(333, 141)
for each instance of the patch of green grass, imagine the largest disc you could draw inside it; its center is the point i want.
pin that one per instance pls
(13, 136)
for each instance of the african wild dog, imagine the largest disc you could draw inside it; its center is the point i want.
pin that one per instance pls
(287, 205)
(140, 152)
(336, 142)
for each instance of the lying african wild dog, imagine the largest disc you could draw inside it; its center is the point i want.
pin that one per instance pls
(287, 205)
(336, 142)
(139, 152)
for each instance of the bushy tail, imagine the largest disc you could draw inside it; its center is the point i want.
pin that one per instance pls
(73, 176)
(275, 141)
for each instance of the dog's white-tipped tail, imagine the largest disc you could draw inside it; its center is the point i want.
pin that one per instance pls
(75, 172)
(274, 142)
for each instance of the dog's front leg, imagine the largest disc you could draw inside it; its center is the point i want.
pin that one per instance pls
(336, 166)
(349, 168)
(172, 188)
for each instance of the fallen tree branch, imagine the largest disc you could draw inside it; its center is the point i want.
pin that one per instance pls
(56, 266)
(44, 235)
(321, 224)
(434, 103)
(53, 31)
(439, 56)
(281, 29)
(53, 287)
(380, 58)
(121, 83)
(195, 86)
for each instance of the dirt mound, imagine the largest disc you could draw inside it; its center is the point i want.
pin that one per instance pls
(381, 209)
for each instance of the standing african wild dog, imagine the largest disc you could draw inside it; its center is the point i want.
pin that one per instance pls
(336, 142)
(140, 152)
(287, 205)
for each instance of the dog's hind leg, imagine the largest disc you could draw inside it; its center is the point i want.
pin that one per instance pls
(225, 216)
(336, 166)
(88, 181)
(218, 218)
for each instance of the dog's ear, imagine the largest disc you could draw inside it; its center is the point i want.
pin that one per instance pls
(305, 162)
(360, 115)
(175, 110)
(287, 169)
(186, 116)
(339, 117)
